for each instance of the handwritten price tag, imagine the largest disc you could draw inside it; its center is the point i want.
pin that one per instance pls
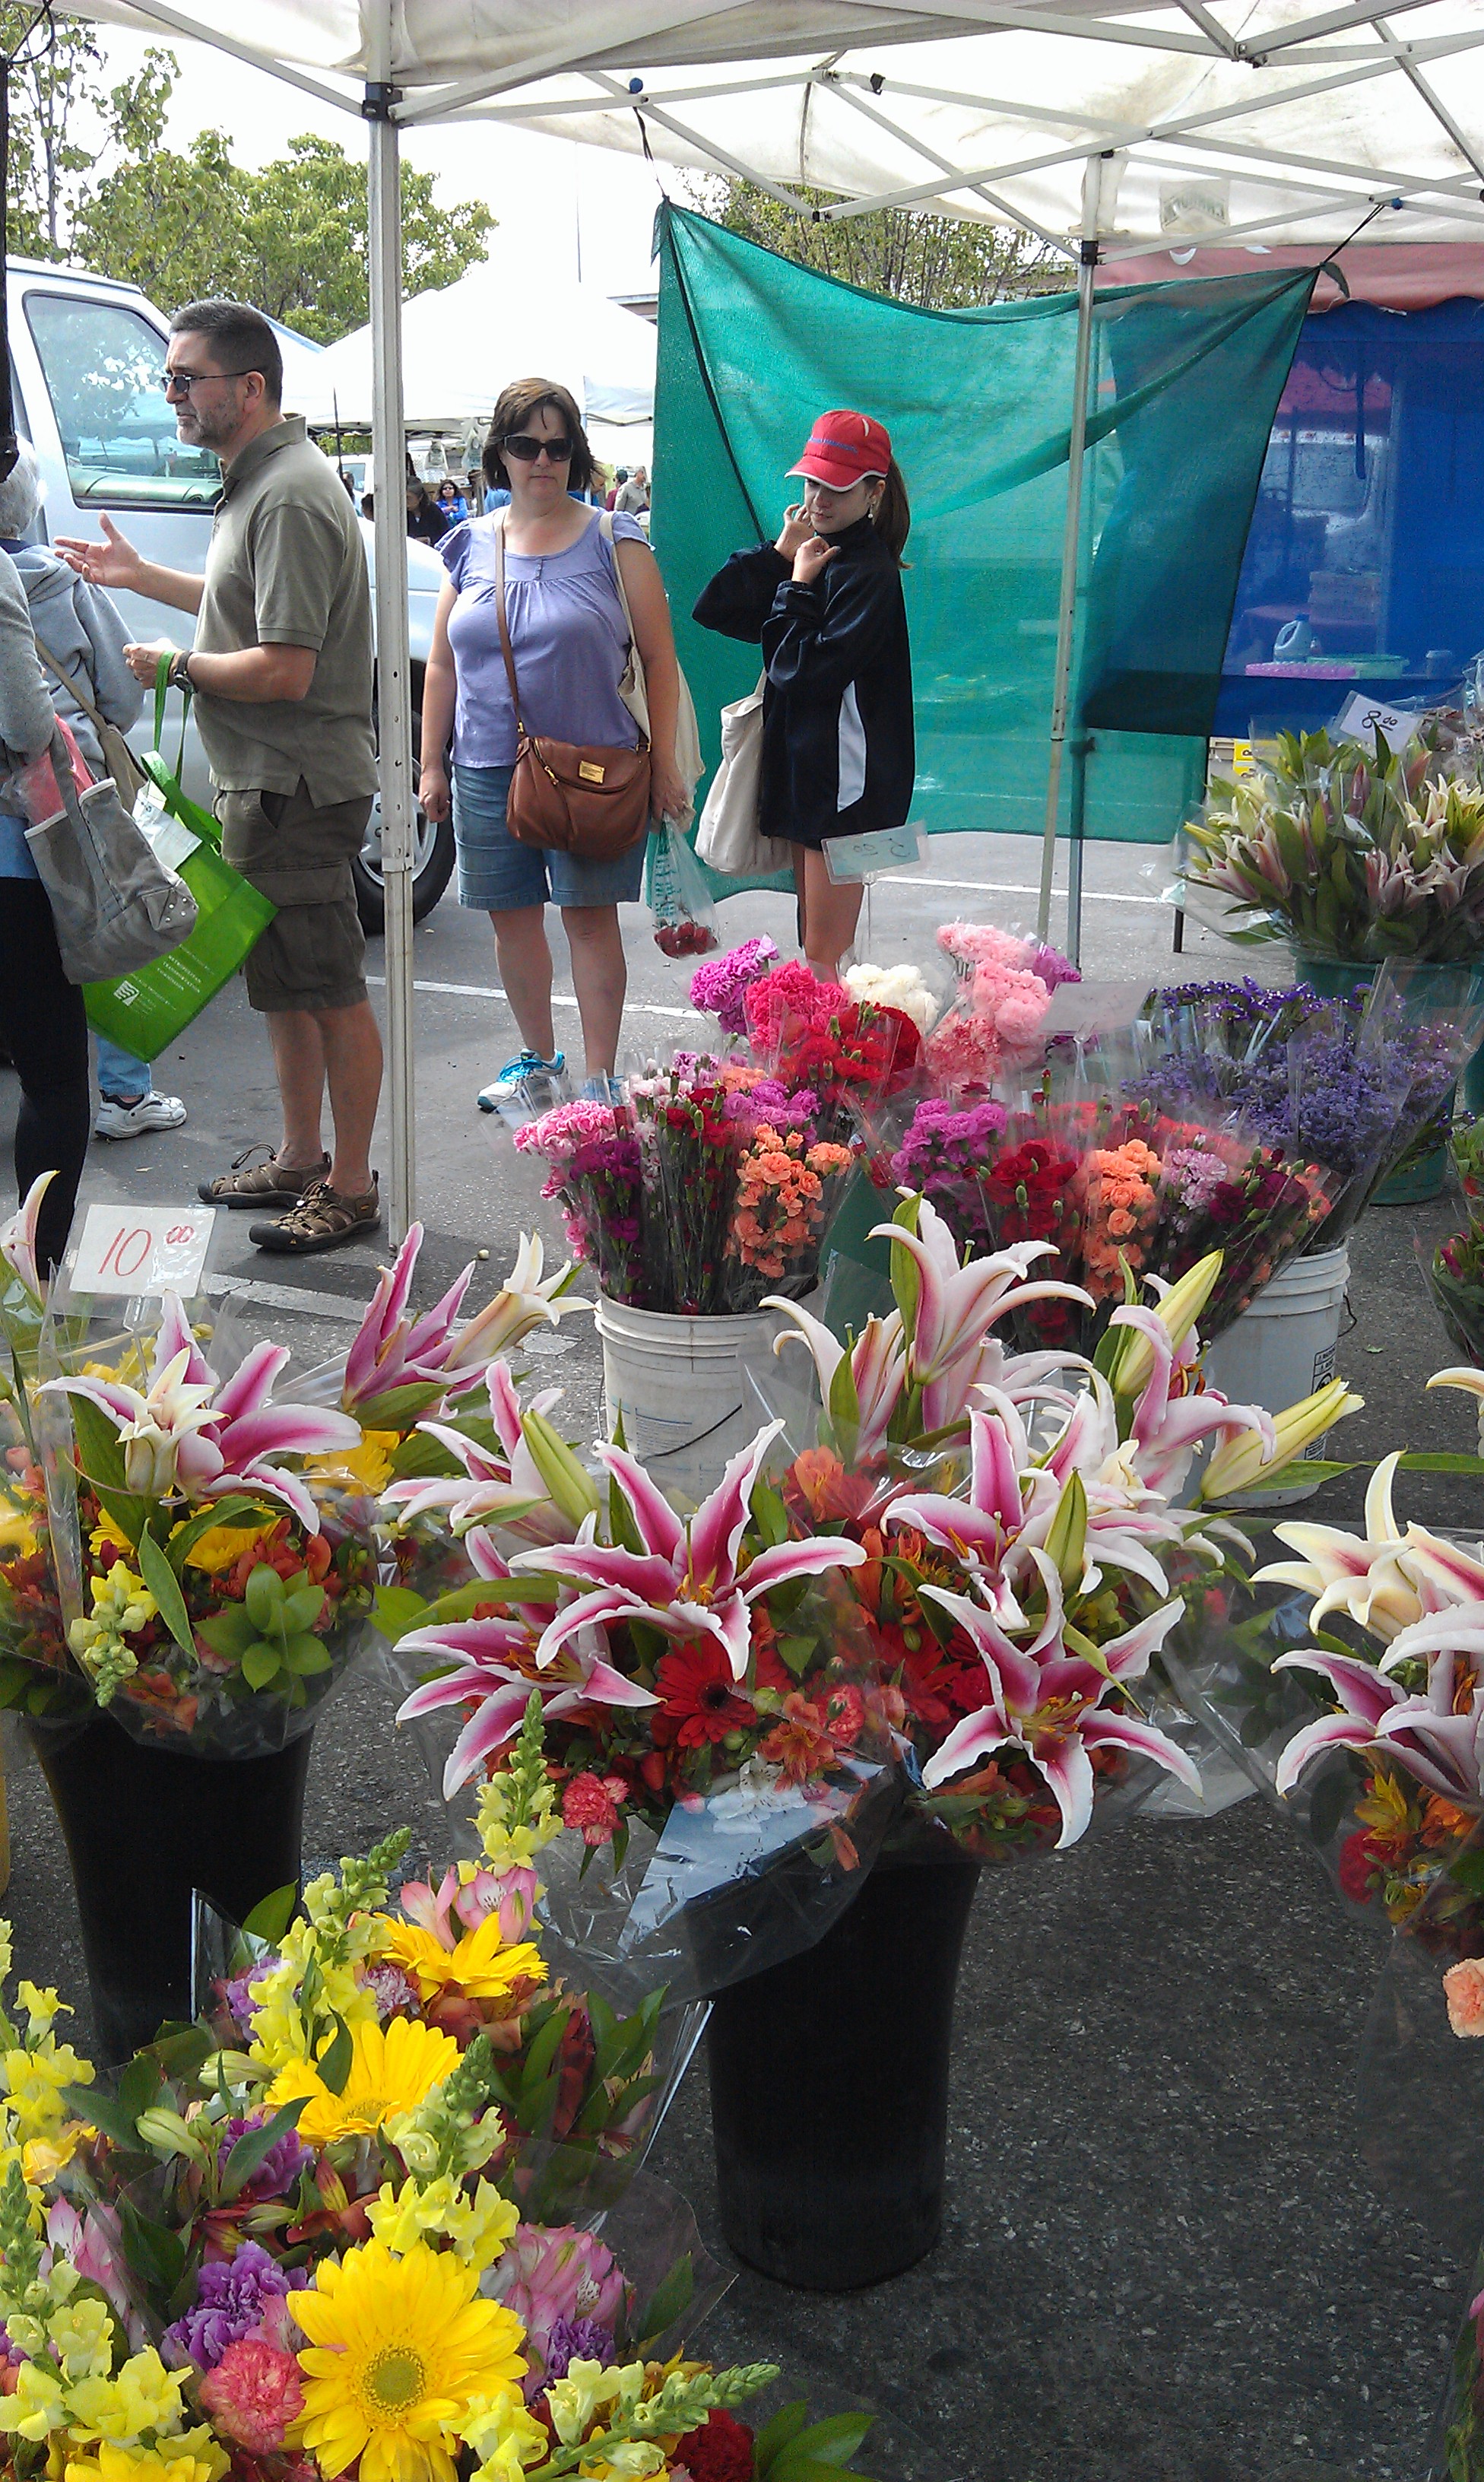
(1360, 716)
(134, 1250)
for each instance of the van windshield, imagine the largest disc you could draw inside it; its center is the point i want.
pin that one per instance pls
(103, 365)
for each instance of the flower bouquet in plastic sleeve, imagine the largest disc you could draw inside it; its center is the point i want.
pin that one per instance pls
(721, 1775)
(285, 2261)
(998, 1022)
(818, 1038)
(216, 1561)
(591, 1150)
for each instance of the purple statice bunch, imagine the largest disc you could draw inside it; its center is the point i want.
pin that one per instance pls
(944, 1142)
(280, 2170)
(574, 2340)
(718, 987)
(232, 2299)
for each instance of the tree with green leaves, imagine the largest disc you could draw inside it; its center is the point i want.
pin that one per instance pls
(940, 262)
(290, 239)
(58, 101)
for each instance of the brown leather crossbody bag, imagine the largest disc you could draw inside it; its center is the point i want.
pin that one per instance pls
(563, 797)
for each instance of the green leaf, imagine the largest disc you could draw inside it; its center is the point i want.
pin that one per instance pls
(301, 1609)
(100, 1457)
(399, 1407)
(222, 1511)
(264, 1597)
(105, 2111)
(797, 1653)
(334, 2065)
(152, 2249)
(261, 1664)
(272, 1914)
(253, 2148)
(670, 2300)
(829, 2444)
(396, 1609)
(1467, 1869)
(785, 2426)
(165, 1586)
(230, 1632)
(306, 1654)
(139, 2085)
(770, 1515)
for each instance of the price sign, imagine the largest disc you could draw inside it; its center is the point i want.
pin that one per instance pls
(133, 1250)
(1360, 716)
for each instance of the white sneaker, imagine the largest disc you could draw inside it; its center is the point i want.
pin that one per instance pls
(135, 1119)
(527, 1083)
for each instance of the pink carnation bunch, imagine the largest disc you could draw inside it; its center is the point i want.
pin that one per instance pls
(719, 987)
(789, 1002)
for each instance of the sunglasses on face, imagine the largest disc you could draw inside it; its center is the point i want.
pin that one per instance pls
(183, 382)
(525, 449)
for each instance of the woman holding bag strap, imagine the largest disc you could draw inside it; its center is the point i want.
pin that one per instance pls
(570, 641)
(824, 602)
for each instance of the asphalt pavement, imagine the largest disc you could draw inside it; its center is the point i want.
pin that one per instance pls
(1164, 2258)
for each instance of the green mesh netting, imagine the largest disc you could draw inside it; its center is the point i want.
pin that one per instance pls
(1185, 382)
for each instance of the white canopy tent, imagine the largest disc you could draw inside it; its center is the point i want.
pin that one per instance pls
(1103, 129)
(461, 345)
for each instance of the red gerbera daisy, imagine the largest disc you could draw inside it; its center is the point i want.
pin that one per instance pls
(699, 1700)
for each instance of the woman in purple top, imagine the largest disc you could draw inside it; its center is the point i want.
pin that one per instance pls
(570, 643)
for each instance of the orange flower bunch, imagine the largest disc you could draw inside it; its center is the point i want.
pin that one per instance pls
(780, 1192)
(1115, 1190)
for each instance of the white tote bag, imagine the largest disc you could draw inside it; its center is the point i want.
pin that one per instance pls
(728, 840)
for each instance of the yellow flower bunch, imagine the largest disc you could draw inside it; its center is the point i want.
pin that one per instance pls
(121, 1603)
(517, 1815)
(281, 2032)
(476, 2228)
(393, 2069)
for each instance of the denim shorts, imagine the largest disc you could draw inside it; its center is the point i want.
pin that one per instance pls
(498, 876)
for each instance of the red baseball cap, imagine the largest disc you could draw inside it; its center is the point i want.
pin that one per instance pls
(843, 449)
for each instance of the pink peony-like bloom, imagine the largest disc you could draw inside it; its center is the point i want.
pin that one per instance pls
(1463, 1988)
(254, 2395)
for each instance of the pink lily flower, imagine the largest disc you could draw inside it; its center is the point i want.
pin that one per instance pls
(875, 1374)
(1050, 1704)
(17, 1240)
(186, 1431)
(685, 1582)
(1168, 1427)
(948, 1351)
(1007, 1493)
(1437, 1736)
(507, 1488)
(491, 1660)
(391, 1349)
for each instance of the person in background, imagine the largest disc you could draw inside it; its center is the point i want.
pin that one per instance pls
(41, 1020)
(570, 642)
(79, 632)
(618, 484)
(281, 668)
(825, 604)
(367, 505)
(451, 501)
(425, 520)
(633, 494)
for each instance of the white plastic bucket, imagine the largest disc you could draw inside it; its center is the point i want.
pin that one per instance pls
(678, 1384)
(1283, 1348)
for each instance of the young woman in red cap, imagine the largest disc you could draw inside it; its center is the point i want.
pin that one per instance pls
(824, 602)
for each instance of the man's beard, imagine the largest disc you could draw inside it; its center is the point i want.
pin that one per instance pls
(211, 430)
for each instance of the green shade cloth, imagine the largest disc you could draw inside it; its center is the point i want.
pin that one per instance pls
(1183, 384)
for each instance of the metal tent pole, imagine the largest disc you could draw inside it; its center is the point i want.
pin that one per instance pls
(1071, 537)
(394, 699)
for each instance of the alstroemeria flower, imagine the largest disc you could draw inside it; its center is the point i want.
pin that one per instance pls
(184, 1432)
(1050, 1703)
(685, 1581)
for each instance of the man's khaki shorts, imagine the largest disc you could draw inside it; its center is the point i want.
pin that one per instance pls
(313, 953)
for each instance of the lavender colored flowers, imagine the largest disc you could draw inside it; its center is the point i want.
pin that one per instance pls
(574, 2340)
(718, 989)
(232, 2298)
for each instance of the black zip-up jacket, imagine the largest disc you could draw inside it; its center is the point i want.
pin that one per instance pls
(838, 755)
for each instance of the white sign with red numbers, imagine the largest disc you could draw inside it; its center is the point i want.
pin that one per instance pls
(142, 1250)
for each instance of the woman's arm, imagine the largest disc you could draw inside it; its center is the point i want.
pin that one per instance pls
(741, 596)
(671, 797)
(118, 695)
(819, 637)
(27, 717)
(439, 691)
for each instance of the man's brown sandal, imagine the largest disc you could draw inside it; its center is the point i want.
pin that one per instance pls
(268, 1183)
(321, 1219)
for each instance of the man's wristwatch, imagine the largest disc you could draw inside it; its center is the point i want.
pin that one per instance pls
(179, 675)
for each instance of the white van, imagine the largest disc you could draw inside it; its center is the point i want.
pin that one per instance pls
(88, 362)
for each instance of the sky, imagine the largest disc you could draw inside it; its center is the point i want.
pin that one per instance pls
(564, 210)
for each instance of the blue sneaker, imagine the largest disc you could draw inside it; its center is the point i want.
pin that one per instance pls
(601, 1089)
(526, 1080)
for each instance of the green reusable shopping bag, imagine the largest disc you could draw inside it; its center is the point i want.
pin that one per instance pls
(146, 1011)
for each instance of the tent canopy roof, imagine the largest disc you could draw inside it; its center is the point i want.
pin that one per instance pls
(1282, 120)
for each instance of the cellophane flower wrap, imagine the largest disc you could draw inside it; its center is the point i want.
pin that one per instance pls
(1453, 1268)
(215, 1549)
(1348, 849)
(996, 1023)
(324, 2243)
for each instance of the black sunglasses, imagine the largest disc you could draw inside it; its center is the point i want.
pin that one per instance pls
(522, 445)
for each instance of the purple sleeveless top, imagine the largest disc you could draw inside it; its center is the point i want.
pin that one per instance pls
(568, 637)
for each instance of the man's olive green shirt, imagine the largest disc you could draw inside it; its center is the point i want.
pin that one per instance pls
(287, 567)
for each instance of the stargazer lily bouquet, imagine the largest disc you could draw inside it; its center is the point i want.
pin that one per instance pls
(321, 2248)
(957, 1555)
(214, 1560)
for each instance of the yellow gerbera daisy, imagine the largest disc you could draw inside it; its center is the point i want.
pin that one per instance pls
(370, 1464)
(393, 2069)
(481, 1965)
(192, 2456)
(398, 2350)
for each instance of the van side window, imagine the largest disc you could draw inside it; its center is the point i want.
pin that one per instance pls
(103, 367)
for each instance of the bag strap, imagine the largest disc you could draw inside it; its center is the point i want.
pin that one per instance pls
(504, 626)
(67, 682)
(606, 530)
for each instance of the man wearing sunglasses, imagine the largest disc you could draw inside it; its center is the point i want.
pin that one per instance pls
(282, 667)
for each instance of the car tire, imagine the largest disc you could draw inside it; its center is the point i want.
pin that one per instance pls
(433, 868)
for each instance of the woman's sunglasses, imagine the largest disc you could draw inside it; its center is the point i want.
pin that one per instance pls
(521, 446)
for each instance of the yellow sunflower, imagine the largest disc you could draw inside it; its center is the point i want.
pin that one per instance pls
(481, 1965)
(393, 2069)
(398, 2350)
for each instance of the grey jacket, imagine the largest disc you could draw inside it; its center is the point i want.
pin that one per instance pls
(83, 630)
(26, 718)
